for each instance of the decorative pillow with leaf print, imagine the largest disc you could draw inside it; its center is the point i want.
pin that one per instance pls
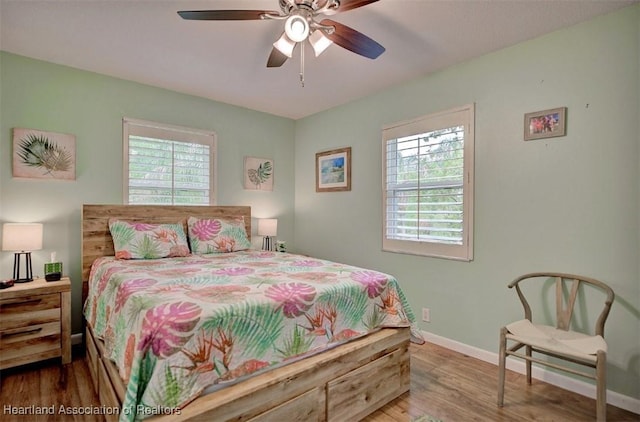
(217, 235)
(138, 240)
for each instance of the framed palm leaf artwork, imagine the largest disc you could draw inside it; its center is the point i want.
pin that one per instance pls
(258, 173)
(43, 155)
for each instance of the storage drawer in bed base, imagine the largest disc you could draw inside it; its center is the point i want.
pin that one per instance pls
(345, 383)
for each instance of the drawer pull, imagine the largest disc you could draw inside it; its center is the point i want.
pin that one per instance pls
(23, 303)
(21, 333)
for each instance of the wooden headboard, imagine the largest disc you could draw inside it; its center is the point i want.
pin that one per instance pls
(96, 238)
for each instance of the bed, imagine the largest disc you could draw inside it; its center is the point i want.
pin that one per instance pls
(358, 372)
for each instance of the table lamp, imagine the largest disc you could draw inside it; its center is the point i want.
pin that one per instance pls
(22, 238)
(268, 228)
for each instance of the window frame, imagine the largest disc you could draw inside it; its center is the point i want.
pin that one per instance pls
(172, 133)
(458, 116)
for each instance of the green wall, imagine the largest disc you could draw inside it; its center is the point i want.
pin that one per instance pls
(45, 96)
(562, 204)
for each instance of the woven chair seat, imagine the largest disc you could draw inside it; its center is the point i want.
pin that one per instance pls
(578, 345)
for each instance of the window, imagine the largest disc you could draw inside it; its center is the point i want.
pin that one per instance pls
(428, 185)
(167, 165)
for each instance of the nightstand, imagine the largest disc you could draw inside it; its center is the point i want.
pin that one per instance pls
(35, 322)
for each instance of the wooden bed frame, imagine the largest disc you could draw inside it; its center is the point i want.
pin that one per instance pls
(347, 382)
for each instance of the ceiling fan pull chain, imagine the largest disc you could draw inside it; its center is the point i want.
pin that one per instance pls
(302, 64)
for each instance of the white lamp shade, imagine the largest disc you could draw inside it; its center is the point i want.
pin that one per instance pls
(268, 227)
(319, 42)
(21, 236)
(285, 45)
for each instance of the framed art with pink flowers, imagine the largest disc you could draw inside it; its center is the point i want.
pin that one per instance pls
(545, 124)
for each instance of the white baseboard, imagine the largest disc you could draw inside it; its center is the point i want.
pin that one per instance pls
(580, 387)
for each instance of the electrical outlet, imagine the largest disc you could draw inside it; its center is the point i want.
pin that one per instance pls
(426, 314)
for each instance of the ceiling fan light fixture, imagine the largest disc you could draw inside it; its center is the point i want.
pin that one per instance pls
(285, 45)
(302, 19)
(319, 42)
(297, 28)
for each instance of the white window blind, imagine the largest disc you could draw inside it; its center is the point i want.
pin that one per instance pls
(428, 185)
(168, 164)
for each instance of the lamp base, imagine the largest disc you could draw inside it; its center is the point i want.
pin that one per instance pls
(22, 280)
(16, 267)
(266, 243)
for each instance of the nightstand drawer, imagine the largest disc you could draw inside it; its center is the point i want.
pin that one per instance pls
(30, 344)
(28, 311)
(30, 333)
(29, 303)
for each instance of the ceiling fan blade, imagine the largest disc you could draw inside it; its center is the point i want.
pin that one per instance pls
(353, 40)
(225, 15)
(276, 58)
(353, 4)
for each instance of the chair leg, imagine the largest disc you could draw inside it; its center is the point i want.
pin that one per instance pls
(501, 365)
(601, 386)
(528, 348)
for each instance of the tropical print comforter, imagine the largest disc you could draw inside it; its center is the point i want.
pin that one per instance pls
(175, 326)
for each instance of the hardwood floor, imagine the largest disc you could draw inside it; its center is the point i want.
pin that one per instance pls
(445, 384)
(40, 386)
(454, 387)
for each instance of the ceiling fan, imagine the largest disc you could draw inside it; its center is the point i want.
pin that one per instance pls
(303, 21)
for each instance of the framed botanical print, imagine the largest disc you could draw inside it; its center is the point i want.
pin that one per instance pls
(258, 173)
(43, 155)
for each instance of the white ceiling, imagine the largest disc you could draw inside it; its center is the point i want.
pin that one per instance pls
(146, 41)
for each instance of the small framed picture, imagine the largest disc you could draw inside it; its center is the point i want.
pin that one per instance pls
(333, 170)
(258, 173)
(545, 124)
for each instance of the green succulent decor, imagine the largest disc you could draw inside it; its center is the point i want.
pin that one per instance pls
(39, 152)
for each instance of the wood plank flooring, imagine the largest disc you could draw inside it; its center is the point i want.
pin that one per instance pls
(445, 384)
(454, 387)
